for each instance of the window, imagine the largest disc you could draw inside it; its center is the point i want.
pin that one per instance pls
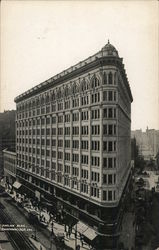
(47, 109)
(48, 142)
(84, 188)
(60, 106)
(67, 104)
(67, 156)
(60, 131)
(47, 152)
(95, 82)
(109, 95)
(104, 195)
(60, 119)
(109, 129)
(96, 145)
(66, 181)
(75, 158)
(95, 161)
(48, 120)
(95, 129)
(53, 131)
(60, 155)
(75, 102)
(110, 179)
(110, 195)
(75, 144)
(53, 107)
(84, 116)
(95, 176)
(84, 159)
(67, 118)
(84, 145)
(84, 100)
(67, 130)
(53, 165)
(75, 171)
(54, 119)
(84, 130)
(53, 142)
(84, 173)
(105, 78)
(60, 143)
(53, 154)
(48, 131)
(67, 169)
(110, 78)
(75, 117)
(95, 97)
(67, 143)
(95, 114)
(59, 167)
(109, 146)
(95, 192)
(75, 130)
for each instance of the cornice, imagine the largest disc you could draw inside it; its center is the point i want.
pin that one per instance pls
(77, 72)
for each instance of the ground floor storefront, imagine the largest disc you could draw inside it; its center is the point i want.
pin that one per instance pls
(104, 223)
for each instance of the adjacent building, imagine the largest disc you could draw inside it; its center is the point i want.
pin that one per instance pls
(73, 140)
(7, 135)
(148, 142)
(9, 161)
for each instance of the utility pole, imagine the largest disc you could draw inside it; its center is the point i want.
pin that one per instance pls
(76, 236)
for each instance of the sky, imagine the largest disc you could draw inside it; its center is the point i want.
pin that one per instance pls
(42, 38)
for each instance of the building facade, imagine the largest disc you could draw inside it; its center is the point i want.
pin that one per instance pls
(73, 142)
(148, 142)
(7, 135)
(9, 161)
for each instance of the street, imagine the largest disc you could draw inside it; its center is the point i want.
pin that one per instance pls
(43, 236)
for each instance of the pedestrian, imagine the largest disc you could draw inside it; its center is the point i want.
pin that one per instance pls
(69, 232)
(81, 239)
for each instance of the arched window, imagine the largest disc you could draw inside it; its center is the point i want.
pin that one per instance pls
(105, 78)
(53, 96)
(95, 82)
(42, 100)
(47, 99)
(110, 78)
(74, 88)
(83, 85)
(115, 78)
(37, 102)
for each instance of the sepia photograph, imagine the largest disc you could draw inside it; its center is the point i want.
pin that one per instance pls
(79, 125)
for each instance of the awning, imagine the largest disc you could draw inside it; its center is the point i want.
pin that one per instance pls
(90, 233)
(86, 231)
(81, 227)
(17, 185)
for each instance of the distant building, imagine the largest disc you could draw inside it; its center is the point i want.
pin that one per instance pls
(9, 160)
(73, 142)
(7, 134)
(148, 142)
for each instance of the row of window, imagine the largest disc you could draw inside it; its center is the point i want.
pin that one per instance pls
(108, 162)
(108, 112)
(108, 78)
(75, 131)
(109, 95)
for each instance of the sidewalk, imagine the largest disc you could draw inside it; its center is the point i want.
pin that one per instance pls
(70, 242)
(37, 244)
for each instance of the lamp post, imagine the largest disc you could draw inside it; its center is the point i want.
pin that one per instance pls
(51, 235)
(76, 236)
